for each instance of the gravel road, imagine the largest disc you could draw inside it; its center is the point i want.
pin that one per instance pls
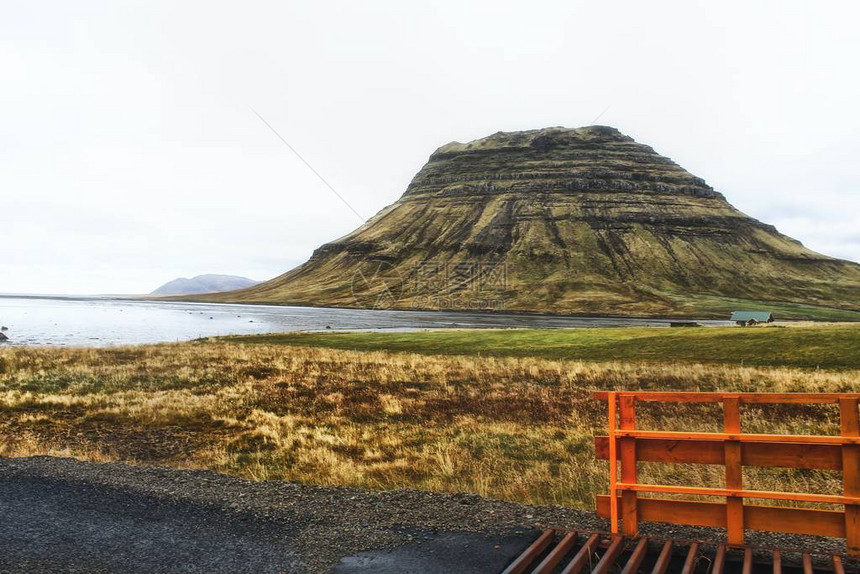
(64, 515)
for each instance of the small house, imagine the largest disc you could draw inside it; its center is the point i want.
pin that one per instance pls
(749, 318)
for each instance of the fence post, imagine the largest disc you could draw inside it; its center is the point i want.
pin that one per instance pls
(627, 445)
(613, 465)
(734, 470)
(850, 426)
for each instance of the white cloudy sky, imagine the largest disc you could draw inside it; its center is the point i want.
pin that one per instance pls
(129, 154)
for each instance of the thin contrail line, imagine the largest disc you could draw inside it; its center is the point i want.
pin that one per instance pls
(304, 161)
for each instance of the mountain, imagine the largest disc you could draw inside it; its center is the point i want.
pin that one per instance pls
(583, 221)
(204, 284)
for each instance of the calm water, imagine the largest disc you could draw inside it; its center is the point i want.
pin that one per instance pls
(99, 322)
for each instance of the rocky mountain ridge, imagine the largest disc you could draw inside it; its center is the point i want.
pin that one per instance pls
(579, 220)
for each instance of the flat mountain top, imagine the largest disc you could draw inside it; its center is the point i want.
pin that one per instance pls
(204, 284)
(568, 221)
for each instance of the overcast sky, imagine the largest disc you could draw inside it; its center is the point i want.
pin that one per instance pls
(130, 154)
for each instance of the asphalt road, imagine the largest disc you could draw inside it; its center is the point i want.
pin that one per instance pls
(49, 525)
(62, 515)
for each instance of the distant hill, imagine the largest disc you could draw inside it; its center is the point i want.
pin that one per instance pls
(204, 284)
(580, 221)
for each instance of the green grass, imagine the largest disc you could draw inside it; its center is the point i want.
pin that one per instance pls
(825, 347)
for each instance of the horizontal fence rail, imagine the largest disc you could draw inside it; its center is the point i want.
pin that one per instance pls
(625, 444)
(748, 398)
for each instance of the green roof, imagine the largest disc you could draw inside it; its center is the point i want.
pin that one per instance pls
(759, 316)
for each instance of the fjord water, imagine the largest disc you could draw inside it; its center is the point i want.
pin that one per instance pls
(102, 321)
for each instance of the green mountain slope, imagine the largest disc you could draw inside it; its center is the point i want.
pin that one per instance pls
(565, 221)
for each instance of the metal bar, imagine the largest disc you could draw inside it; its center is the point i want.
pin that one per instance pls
(663, 559)
(719, 560)
(629, 514)
(772, 495)
(734, 471)
(838, 568)
(692, 557)
(807, 563)
(795, 520)
(764, 454)
(849, 423)
(632, 566)
(583, 556)
(746, 398)
(532, 552)
(554, 558)
(747, 568)
(771, 518)
(613, 466)
(610, 556)
(777, 562)
(780, 438)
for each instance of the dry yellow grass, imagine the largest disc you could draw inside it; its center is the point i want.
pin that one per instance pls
(513, 428)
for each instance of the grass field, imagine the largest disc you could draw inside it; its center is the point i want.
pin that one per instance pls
(517, 428)
(810, 346)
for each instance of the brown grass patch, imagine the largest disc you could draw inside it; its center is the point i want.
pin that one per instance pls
(513, 428)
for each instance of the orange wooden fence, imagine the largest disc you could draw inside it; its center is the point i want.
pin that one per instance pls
(733, 449)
